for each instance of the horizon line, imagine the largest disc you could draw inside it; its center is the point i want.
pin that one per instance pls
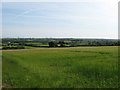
(52, 38)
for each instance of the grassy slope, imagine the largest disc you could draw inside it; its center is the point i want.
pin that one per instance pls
(61, 67)
(0, 69)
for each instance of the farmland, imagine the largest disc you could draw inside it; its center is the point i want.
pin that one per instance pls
(23, 43)
(73, 67)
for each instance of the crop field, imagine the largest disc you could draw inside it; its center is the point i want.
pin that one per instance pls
(75, 67)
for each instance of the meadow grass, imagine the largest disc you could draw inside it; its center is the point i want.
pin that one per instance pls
(78, 67)
(0, 69)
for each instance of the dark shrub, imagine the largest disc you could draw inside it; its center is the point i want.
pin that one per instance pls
(12, 47)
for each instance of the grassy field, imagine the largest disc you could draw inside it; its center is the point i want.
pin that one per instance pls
(79, 67)
(0, 69)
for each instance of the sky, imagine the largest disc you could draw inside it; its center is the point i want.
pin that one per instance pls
(59, 20)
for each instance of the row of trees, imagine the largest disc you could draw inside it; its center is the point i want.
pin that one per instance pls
(55, 44)
(83, 43)
(51, 42)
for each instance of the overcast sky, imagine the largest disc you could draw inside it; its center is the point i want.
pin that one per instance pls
(60, 19)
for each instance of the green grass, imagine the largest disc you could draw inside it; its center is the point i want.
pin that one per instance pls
(79, 67)
(0, 69)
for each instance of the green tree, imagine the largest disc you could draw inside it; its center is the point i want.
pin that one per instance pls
(52, 44)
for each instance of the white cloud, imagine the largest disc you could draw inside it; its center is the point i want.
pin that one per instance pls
(23, 13)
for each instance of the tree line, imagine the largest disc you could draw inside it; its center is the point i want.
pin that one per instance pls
(21, 43)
